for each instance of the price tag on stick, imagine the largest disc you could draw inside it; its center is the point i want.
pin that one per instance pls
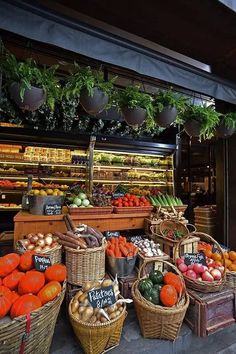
(193, 258)
(99, 298)
(41, 263)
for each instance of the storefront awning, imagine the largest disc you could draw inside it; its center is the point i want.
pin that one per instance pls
(36, 23)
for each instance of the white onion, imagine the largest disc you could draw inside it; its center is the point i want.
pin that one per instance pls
(49, 234)
(30, 247)
(48, 240)
(40, 243)
(34, 239)
(29, 236)
(37, 249)
(41, 236)
(26, 243)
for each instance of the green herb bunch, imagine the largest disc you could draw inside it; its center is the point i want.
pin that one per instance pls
(28, 74)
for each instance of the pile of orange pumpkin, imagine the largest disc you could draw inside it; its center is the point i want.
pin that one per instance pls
(24, 289)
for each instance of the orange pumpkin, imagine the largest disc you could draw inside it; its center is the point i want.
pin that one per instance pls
(173, 279)
(168, 295)
(49, 291)
(25, 304)
(11, 281)
(8, 263)
(0, 281)
(31, 283)
(14, 296)
(56, 272)
(5, 300)
(26, 261)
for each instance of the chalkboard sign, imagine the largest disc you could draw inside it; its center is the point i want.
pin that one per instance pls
(52, 209)
(192, 258)
(41, 263)
(116, 195)
(216, 249)
(110, 234)
(103, 297)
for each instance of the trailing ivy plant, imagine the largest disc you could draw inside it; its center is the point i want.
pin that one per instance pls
(229, 120)
(131, 97)
(206, 116)
(86, 78)
(165, 98)
(27, 73)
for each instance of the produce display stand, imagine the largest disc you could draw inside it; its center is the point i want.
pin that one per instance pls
(26, 223)
(208, 313)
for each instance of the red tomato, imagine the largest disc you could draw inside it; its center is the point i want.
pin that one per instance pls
(131, 204)
(120, 205)
(136, 203)
(125, 204)
(127, 195)
(141, 203)
(125, 199)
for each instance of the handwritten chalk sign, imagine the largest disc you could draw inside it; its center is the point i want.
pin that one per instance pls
(52, 209)
(100, 298)
(215, 249)
(41, 263)
(192, 258)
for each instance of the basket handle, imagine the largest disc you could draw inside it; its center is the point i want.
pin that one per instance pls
(193, 226)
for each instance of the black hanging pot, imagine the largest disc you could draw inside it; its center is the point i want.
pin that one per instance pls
(223, 132)
(33, 97)
(134, 116)
(93, 104)
(166, 116)
(192, 127)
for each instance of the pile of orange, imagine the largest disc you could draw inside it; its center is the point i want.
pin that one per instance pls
(230, 259)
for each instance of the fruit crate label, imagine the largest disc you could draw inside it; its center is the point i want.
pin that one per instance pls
(52, 209)
(192, 258)
(100, 298)
(41, 263)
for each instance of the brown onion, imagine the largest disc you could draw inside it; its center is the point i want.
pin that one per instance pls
(29, 236)
(38, 249)
(40, 236)
(48, 240)
(40, 243)
(30, 247)
(49, 234)
(26, 243)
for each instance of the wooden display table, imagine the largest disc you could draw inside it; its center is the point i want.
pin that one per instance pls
(26, 223)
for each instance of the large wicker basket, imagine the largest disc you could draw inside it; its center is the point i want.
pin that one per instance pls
(205, 286)
(55, 254)
(157, 321)
(231, 279)
(96, 339)
(41, 329)
(85, 264)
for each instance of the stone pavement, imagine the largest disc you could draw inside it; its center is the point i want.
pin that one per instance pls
(222, 342)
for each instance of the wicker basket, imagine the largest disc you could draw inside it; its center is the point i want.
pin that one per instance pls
(85, 265)
(54, 254)
(157, 321)
(205, 286)
(96, 339)
(231, 279)
(173, 225)
(42, 324)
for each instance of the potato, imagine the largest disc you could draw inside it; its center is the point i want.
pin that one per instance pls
(93, 319)
(114, 315)
(97, 285)
(104, 320)
(77, 315)
(111, 309)
(81, 309)
(88, 285)
(78, 294)
(119, 305)
(74, 306)
(98, 322)
(87, 314)
(107, 282)
(85, 303)
(83, 297)
(96, 311)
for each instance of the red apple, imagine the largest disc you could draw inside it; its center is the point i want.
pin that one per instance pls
(179, 261)
(205, 268)
(191, 274)
(216, 274)
(221, 269)
(198, 268)
(190, 266)
(183, 267)
(206, 276)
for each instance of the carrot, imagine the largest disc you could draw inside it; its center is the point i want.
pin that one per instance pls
(123, 250)
(112, 247)
(113, 241)
(108, 243)
(110, 253)
(117, 252)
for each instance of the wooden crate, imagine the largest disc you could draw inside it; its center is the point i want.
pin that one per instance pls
(6, 242)
(147, 224)
(190, 245)
(208, 313)
(125, 284)
(156, 264)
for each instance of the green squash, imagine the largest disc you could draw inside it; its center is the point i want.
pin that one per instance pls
(152, 295)
(144, 285)
(158, 286)
(156, 277)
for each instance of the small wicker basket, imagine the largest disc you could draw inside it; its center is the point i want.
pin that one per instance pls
(85, 264)
(156, 321)
(55, 254)
(173, 225)
(41, 329)
(98, 338)
(205, 286)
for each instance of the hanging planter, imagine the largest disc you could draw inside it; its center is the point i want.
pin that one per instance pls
(33, 98)
(200, 121)
(95, 94)
(134, 116)
(227, 126)
(95, 103)
(29, 85)
(192, 128)
(135, 106)
(167, 105)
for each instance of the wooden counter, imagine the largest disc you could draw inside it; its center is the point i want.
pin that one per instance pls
(26, 223)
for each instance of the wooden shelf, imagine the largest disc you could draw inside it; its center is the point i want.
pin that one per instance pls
(150, 169)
